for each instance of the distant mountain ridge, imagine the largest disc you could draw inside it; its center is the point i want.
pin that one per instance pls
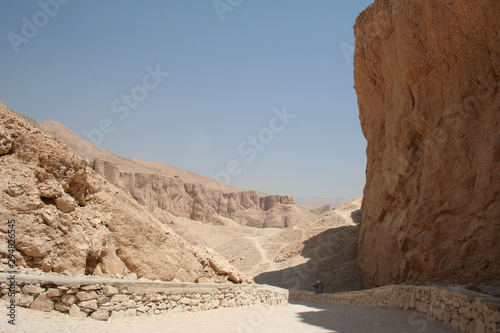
(165, 189)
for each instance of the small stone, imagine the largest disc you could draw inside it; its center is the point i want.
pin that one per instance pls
(26, 300)
(131, 304)
(42, 303)
(90, 287)
(76, 312)
(32, 289)
(66, 203)
(103, 300)
(100, 315)
(92, 305)
(69, 299)
(62, 307)
(110, 290)
(86, 295)
(119, 298)
(142, 309)
(480, 328)
(73, 290)
(495, 317)
(54, 292)
(50, 189)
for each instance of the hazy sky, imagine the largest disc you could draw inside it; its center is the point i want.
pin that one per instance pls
(255, 93)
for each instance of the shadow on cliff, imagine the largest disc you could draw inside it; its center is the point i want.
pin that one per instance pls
(332, 257)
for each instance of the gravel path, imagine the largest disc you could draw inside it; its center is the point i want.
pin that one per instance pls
(299, 316)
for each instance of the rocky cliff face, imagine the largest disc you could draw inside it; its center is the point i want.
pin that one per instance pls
(165, 189)
(427, 79)
(201, 202)
(68, 218)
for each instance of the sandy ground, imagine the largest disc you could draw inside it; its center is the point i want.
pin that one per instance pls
(299, 316)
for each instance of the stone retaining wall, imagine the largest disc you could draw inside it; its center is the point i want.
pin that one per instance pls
(102, 298)
(461, 309)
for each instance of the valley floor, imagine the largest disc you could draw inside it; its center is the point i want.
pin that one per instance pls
(299, 316)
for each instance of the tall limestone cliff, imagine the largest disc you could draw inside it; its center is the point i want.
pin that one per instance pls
(427, 80)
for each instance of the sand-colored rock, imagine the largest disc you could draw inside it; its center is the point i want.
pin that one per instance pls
(92, 223)
(321, 248)
(427, 77)
(76, 312)
(162, 187)
(42, 303)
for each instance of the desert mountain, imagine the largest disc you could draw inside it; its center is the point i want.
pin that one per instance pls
(167, 190)
(210, 214)
(324, 248)
(69, 219)
(427, 77)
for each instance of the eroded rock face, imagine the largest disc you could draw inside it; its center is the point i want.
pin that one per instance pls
(203, 203)
(68, 218)
(166, 189)
(427, 80)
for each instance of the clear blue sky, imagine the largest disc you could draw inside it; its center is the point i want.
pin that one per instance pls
(231, 69)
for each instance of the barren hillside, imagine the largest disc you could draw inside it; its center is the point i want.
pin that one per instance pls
(321, 248)
(166, 189)
(68, 218)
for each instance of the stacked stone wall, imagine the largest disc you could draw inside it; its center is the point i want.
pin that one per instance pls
(458, 308)
(102, 298)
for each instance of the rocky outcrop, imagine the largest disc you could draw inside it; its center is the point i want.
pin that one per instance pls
(427, 77)
(201, 202)
(166, 189)
(66, 217)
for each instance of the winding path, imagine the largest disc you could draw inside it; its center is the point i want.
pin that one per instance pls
(303, 317)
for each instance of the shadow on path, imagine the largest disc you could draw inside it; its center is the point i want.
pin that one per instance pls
(350, 319)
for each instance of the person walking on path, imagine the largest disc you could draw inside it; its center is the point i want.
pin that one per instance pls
(318, 287)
